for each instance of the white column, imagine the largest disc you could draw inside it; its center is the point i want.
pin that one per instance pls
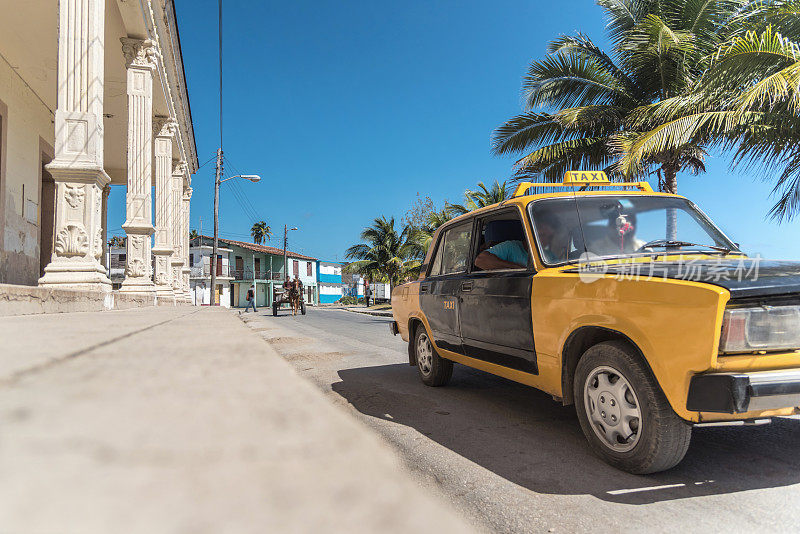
(78, 164)
(164, 130)
(140, 59)
(187, 197)
(178, 258)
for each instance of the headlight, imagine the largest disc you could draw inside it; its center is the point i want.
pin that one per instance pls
(763, 328)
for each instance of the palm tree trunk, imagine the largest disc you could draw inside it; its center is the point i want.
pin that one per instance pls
(671, 186)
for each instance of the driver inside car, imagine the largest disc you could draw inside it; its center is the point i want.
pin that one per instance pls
(504, 247)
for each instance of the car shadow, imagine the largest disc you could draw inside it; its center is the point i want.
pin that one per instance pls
(524, 436)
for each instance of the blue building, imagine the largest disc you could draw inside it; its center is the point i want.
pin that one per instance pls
(329, 281)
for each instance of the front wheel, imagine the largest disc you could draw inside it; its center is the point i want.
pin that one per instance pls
(623, 413)
(302, 307)
(433, 369)
(275, 309)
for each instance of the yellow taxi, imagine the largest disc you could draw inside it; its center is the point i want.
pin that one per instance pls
(630, 304)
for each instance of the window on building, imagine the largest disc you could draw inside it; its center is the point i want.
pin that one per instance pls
(308, 268)
(123, 257)
(191, 260)
(296, 268)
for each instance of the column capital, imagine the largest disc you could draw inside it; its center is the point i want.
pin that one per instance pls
(178, 167)
(164, 126)
(187, 194)
(139, 53)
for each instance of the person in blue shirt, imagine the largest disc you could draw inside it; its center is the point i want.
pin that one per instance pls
(504, 255)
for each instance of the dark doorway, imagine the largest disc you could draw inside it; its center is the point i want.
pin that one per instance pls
(47, 211)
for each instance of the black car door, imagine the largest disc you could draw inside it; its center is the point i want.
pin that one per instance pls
(439, 292)
(495, 307)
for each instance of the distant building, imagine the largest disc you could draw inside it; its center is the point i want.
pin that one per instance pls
(259, 265)
(329, 281)
(352, 285)
(200, 274)
(115, 265)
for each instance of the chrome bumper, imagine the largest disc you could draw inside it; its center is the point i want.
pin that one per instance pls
(744, 392)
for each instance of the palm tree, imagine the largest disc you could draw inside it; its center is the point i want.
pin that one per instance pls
(433, 220)
(385, 254)
(660, 50)
(481, 197)
(260, 231)
(193, 234)
(747, 101)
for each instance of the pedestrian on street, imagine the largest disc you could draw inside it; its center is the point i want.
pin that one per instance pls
(251, 299)
(366, 291)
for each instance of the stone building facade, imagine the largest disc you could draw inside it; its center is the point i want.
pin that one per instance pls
(93, 93)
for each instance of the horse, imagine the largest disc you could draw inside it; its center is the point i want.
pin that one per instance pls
(294, 297)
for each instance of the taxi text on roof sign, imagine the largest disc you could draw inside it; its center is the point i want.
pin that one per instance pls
(586, 177)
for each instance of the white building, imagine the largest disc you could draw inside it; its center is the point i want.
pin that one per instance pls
(92, 93)
(329, 280)
(200, 275)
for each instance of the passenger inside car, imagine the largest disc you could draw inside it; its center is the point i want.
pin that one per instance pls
(619, 236)
(502, 246)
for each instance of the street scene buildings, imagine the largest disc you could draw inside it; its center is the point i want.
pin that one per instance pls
(488, 307)
(241, 265)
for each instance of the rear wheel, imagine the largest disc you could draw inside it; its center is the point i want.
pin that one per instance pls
(623, 413)
(433, 369)
(302, 307)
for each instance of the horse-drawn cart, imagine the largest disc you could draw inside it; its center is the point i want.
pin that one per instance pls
(281, 297)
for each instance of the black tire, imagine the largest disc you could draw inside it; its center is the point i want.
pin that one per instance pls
(433, 370)
(274, 309)
(657, 442)
(302, 307)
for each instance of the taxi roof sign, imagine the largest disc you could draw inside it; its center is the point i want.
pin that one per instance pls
(586, 177)
(582, 179)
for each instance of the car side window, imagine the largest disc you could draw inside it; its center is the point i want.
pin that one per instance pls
(502, 243)
(452, 256)
(436, 267)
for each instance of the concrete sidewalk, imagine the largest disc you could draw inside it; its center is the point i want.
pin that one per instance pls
(183, 420)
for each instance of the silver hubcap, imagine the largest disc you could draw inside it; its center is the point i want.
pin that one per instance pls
(424, 354)
(612, 408)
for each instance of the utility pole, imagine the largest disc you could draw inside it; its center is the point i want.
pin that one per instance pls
(217, 179)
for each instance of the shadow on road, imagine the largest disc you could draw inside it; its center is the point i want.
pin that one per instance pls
(524, 436)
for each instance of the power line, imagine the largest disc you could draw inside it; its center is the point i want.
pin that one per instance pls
(252, 209)
(220, 73)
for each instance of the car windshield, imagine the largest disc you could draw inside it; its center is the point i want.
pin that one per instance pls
(569, 228)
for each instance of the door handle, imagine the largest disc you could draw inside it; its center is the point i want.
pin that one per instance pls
(423, 288)
(466, 286)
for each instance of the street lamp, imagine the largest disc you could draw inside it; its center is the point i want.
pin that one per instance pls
(285, 235)
(218, 180)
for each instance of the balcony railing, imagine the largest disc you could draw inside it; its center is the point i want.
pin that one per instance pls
(247, 274)
(205, 270)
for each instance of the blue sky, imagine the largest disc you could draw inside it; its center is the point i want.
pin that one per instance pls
(349, 109)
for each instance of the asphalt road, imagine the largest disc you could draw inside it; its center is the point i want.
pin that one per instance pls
(512, 460)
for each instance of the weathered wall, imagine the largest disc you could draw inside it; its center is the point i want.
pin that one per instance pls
(26, 121)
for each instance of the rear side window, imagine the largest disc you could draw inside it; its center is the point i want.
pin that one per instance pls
(452, 254)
